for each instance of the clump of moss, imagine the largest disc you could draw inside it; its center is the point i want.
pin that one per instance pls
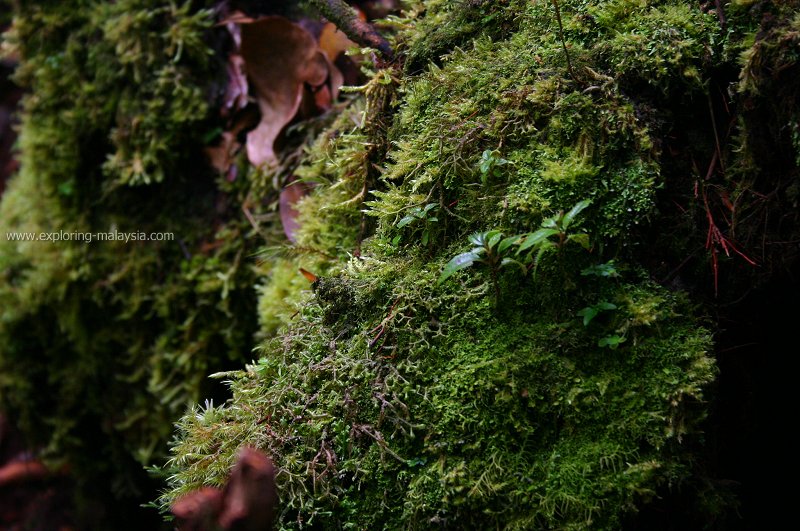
(105, 343)
(394, 400)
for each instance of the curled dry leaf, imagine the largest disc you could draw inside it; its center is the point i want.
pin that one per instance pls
(290, 195)
(250, 496)
(351, 22)
(281, 58)
(247, 503)
(290, 77)
(236, 92)
(198, 510)
(379, 8)
(222, 154)
(22, 471)
(333, 41)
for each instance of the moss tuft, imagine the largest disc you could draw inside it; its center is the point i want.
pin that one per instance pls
(392, 400)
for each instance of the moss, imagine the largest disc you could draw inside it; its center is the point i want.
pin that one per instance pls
(391, 400)
(659, 44)
(449, 25)
(105, 343)
(467, 416)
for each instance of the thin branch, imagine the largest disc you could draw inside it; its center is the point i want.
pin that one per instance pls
(563, 42)
(346, 19)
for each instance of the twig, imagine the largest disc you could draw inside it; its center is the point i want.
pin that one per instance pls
(346, 19)
(720, 14)
(563, 42)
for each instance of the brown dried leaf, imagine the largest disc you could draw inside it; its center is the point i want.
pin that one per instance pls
(221, 156)
(236, 92)
(251, 496)
(318, 99)
(333, 41)
(22, 471)
(379, 8)
(198, 510)
(290, 196)
(280, 58)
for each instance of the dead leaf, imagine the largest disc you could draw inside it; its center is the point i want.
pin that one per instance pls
(236, 92)
(22, 471)
(280, 57)
(222, 155)
(311, 277)
(318, 99)
(333, 41)
(247, 503)
(251, 496)
(289, 198)
(198, 510)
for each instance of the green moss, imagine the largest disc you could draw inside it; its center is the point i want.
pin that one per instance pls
(386, 398)
(467, 416)
(105, 343)
(660, 44)
(393, 401)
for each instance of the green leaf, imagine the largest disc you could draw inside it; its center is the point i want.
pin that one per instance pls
(511, 261)
(406, 220)
(607, 270)
(543, 249)
(425, 237)
(506, 243)
(611, 342)
(212, 135)
(487, 161)
(553, 222)
(581, 238)
(462, 261)
(536, 238)
(479, 239)
(569, 217)
(588, 313)
(488, 165)
(494, 239)
(66, 188)
(428, 208)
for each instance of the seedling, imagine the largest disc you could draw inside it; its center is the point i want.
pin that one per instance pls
(419, 216)
(490, 165)
(493, 249)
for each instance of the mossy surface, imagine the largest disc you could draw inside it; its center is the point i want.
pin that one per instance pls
(105, 343)
(392, 400)
(565, 393)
